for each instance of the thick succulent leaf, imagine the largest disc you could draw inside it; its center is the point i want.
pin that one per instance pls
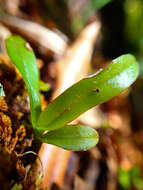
(72, 137)
(23, 57)
(1, 91)
(85, 94)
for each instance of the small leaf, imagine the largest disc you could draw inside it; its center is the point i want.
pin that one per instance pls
(17, 187)
(89, 92)
(124, 179)
(1, 91)
(23, 57)
(72, 137)
(43, 86)
(98, 4)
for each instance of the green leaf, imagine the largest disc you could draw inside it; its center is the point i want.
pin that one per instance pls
(137, 177)
(85, 94)
(1, 91)
(23, 57)
(72, 137)
(124, 179)
(17, 187)
(98, 4)
(43, 86)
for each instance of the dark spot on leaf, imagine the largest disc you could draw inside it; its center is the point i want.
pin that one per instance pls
(96, 90)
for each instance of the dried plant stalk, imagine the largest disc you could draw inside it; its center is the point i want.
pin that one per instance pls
(44, 38)
(70, 69)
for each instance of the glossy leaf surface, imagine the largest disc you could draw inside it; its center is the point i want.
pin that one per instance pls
(89, 92)
(72, 137)
(23, 57)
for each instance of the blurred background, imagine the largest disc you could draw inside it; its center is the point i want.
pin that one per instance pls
(108, 29)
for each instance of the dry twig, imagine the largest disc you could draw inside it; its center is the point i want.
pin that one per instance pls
(70, 69)
(44, 38)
